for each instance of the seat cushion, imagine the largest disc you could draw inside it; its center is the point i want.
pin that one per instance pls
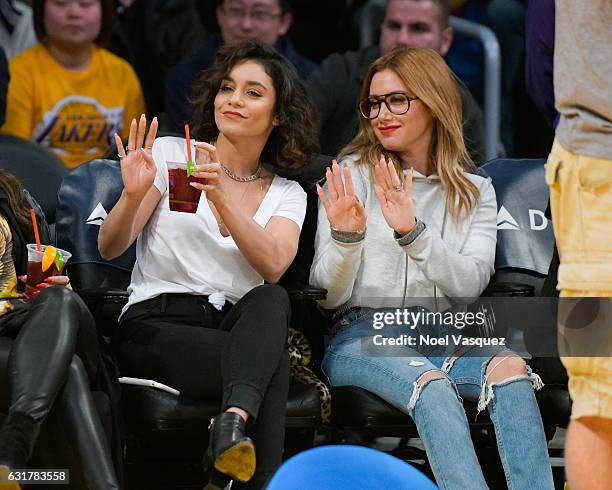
(149, 408)
(555, 405)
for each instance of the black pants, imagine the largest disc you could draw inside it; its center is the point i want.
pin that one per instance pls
(52, 360)
(237, 355)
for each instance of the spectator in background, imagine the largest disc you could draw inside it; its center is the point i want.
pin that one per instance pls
(539, 56)
(4, 81)
(335, 85)
(67, 92)
(579, 173)
(16, 29)
(507, 19)
(239, 20)
(337, 30)
(153, 36)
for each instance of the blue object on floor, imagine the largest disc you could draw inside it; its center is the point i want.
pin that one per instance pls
(347, 467)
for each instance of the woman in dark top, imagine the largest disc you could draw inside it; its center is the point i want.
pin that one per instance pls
(54, 357)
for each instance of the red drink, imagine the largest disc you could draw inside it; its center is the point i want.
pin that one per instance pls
(183, 197)
(37, 276)
(35, 273)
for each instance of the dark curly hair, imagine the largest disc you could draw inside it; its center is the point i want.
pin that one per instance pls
(17, 203)
(295, 138)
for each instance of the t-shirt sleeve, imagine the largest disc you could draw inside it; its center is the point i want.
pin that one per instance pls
(292, 204)
(161, 177)
(19, 101)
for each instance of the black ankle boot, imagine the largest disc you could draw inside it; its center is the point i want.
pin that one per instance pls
(229, 450)
(217, 481)
(17, 439)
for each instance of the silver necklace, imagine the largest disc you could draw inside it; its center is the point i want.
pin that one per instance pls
(237, 178)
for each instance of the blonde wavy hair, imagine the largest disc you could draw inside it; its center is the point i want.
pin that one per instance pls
(430, 79)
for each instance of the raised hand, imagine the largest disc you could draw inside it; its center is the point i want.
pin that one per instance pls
(137, 166)
(344, 210)
(395, 198)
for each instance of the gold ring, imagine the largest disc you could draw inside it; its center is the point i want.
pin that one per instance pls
(398, 188)
(122, 156)
(148, 147)
(130, 149)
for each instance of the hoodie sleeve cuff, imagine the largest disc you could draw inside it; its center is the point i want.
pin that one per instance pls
(411, 236)
(347, 236)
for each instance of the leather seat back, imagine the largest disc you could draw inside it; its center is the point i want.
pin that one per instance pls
(39, 170)
(85, 198)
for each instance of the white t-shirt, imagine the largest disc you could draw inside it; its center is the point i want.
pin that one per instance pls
(186, 253)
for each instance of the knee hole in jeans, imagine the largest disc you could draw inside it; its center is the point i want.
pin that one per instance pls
(504, 366)
(429, 375)
(421, 382)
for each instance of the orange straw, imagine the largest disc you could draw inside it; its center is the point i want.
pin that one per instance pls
(36, 235)
(188, 142)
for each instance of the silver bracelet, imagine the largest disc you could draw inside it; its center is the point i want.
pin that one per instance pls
(347, 236)
(411, 236)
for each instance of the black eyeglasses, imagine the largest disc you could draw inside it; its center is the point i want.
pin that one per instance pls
(398, 103)
(260, 16)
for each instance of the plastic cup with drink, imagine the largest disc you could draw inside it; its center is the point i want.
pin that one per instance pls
(183, 197)
(43, 261)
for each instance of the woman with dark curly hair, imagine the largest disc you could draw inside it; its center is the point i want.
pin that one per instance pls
(199, 317)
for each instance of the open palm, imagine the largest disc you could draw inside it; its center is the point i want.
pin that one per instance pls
(344, 211)
(395, 197)
(137, 166)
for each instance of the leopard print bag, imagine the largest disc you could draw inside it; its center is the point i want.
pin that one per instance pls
(300, 354)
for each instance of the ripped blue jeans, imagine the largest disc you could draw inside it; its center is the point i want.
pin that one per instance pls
(435, 403)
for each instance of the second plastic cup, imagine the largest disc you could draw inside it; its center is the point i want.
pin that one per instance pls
(183, 197)
(35, 273)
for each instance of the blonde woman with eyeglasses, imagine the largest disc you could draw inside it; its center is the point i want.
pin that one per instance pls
(403, 222)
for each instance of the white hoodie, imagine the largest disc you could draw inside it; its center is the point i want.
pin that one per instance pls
(445, 260)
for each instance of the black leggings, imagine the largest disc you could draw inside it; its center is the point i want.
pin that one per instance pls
(52, 360)
(237, 355)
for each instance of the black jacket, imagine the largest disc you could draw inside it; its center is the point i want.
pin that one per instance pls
(335, 86)
(154, 35)
(4, 81)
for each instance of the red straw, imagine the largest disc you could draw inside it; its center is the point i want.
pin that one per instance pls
(188, 142)
(36, 235)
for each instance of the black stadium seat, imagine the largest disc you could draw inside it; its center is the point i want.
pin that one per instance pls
(38, 169)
